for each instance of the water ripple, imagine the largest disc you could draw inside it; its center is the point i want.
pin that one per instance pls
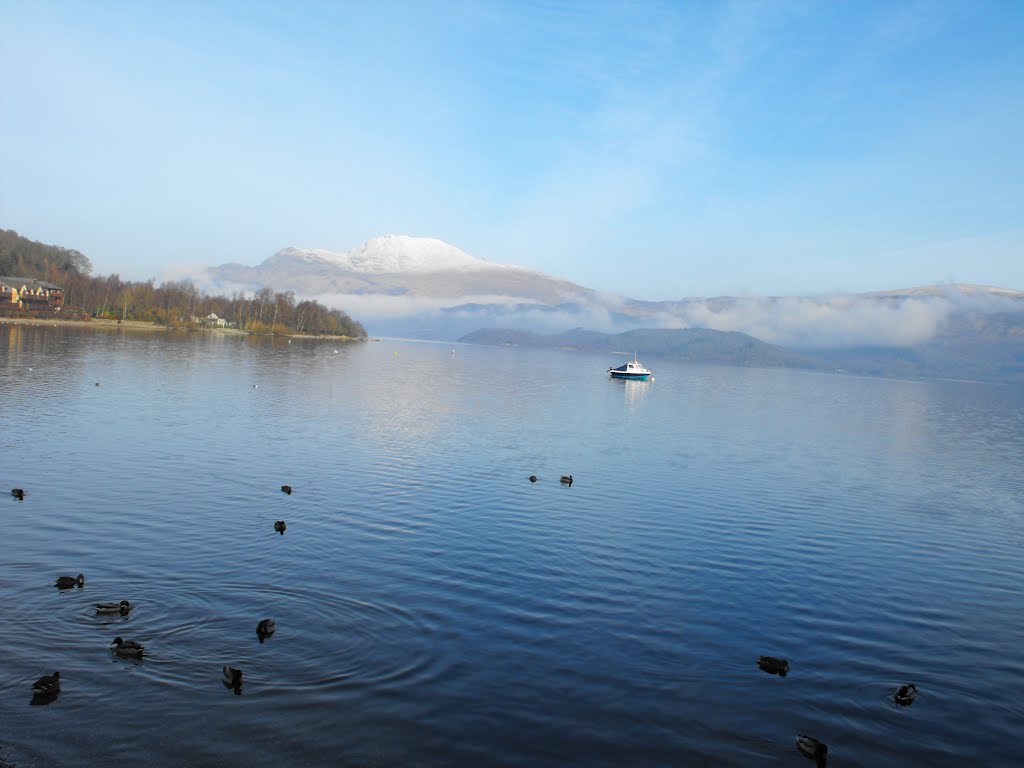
(435, 607)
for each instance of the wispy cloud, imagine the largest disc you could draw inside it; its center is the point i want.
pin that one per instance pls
(661, 149)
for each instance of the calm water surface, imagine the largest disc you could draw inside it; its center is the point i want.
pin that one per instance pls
(436, 608)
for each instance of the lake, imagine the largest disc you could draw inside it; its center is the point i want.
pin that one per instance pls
(436, 608)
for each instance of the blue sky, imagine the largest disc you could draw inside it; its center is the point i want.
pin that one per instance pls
(660, 150)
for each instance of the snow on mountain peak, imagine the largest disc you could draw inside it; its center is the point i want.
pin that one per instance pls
(393, 253)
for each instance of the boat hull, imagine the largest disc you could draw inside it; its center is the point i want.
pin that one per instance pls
(633, 376)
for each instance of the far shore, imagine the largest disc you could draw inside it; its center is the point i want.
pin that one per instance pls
(141, 325)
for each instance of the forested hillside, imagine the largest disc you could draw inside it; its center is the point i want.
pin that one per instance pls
(21, 257)
(172, 303)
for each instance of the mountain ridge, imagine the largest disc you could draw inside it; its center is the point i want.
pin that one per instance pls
(392, 256)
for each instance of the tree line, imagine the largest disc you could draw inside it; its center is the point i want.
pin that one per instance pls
(172, 303)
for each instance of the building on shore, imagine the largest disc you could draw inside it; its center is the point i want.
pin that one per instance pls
(26, 293)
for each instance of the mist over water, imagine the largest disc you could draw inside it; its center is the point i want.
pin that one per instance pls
(434, 607)
(829, 321)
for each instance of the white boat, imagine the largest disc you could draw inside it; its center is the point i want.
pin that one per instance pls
(631, 370)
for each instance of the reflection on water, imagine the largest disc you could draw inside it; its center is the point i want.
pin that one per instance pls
(435, 607)
(43, 699)
(635, 391)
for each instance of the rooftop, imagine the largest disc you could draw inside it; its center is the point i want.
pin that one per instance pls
(30, 283)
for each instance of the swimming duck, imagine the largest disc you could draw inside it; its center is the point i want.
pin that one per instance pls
(814, 749)
(18, 493)
(232, 678)
(266, 627)
(286, 489)
(127, 648)
(533, 478)
(567, 479)
(124, 607)
(906, 694)
(46, 685)
(280, 526)
(67, 582)
(773, 665)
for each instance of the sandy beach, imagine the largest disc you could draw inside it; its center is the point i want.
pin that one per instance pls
(136, 325)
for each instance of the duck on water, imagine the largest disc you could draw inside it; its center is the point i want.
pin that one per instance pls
(773, 665)
(128, 648)
(814, 749)
(47, 685)
(906, 694)
(67, 582)
(265, 629)
(232, 679)
(123, 607)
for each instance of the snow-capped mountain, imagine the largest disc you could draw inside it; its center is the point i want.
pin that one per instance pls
(397, 265)
(393, 253)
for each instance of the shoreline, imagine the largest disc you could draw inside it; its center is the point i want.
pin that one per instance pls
(142, 325)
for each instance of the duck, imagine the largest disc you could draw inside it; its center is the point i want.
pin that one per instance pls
(46, 685)
(124, 607)
(231, 677)
(533, 478)
(773, 665)
(906, 694)
(814, 749)
(127, 648)
(286, 489)
(266, 627)
(280, 526)
(18, 493)
(67, 582)
(567, 479)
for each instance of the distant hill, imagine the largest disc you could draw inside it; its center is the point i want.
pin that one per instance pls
(689, 344)
(971, 346)
(21, 257)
